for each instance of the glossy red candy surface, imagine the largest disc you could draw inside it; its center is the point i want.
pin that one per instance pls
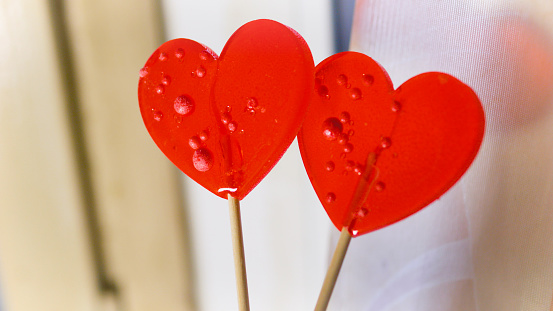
(225, 121)
(376, 155)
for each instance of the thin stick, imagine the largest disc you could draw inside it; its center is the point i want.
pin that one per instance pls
(238, 250)
(359, 197)
(333, 270)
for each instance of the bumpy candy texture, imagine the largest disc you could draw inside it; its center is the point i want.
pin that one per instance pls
(225, 121)
(376, 155)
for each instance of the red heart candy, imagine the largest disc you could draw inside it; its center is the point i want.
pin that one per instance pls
(375, 155)
(225, 121)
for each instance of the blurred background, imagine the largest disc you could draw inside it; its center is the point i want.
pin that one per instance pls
(94, 217)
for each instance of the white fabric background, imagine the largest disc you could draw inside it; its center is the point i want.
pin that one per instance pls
(487, 244)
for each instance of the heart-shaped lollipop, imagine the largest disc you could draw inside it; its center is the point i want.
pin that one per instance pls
(225, 121)
(376, 155)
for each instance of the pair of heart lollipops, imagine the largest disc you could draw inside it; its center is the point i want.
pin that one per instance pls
(374, 154)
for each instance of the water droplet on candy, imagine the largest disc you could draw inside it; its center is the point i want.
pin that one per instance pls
(350, 165)
(202, 159)
(345, 117)
(385, 142)
(160, 89)
(342, 80)
(330, 197)
(355, 94)
(179, 53)
(368, 79)
(158, 115)
(348, 148)
(184, 105)
(330, 166)
(379, 186)
(251, 102)
(143, 72)
(194, 142)
(362, 212)
(166, 80)
(332, 128)
(162, 56)
(204, 135)
(396, 106)
(205, 55)
(200, 72)
(232, 126)
(323, 91)
(343, 138)
(358, 169)
(226, 118)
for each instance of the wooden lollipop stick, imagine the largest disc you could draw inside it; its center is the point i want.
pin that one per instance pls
(333, 270)
(238, 250)
(359, 197)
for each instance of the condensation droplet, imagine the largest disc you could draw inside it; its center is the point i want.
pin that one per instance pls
(184, 105)
(343, 138)
(368, 79)
(344, 117)
(330, 197)
(343, 155)
(358, 169)
(158, 115)
(179, 53)
(166, 80)
(355, 94)
(162, 56)
(226, 118)
(329, 166)
(228, 108)
(385, 142)
(251, 102)
(349, 166)
(204, 135)
(202, 159)
(205, 55)
(143, 72)
(194, 142)
(396, 106)
(200, 72)
(348, 148)
(362, 212)
(160, 89)
(351, 132)
(342, 80)
(379, 186)
(232, 126)
(332, 128)
(323, 91)
(178, 118)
